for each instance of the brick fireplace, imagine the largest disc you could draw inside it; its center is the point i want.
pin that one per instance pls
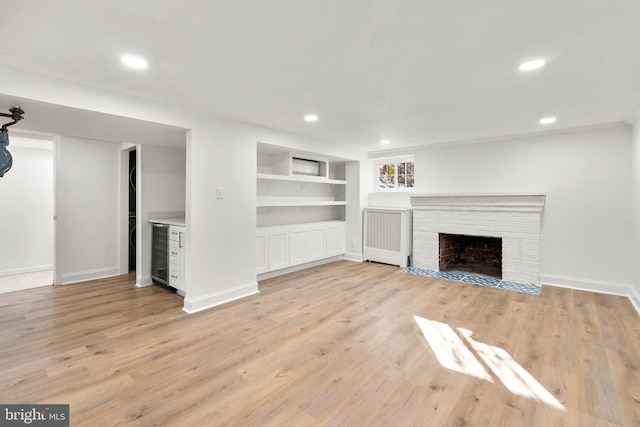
(513, 220)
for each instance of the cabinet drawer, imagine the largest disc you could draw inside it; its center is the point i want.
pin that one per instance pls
(175, 276)
(175, 252)
(174, 233)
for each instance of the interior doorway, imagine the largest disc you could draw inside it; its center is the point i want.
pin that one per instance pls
(27, 214)
(129, 208)
(132, 209)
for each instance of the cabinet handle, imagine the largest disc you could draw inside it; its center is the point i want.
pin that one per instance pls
(180, 239)
(174, 253)
(174, 277)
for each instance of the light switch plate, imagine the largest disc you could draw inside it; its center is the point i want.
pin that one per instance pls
(218, 192)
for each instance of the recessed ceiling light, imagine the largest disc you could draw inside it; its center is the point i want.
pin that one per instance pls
(134, 62)
(547, 120)
(310, 118)
(385, 141)
(532, 65)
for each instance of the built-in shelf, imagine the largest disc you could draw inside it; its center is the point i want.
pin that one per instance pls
(294, 187)
(301, 178)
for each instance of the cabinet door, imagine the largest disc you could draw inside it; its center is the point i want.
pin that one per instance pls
(298, 245)
(278, 244)
(262, 252)
(336, 239)
(317, 242)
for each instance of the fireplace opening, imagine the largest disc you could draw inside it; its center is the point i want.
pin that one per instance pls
(474, 254)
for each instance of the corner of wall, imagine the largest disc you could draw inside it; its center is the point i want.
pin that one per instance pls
(193, 305)
(634, 297)
(635, 213)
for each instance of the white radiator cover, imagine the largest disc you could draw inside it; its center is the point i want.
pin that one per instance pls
(387, 235)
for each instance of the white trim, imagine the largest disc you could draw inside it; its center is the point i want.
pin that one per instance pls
(142, 281)
(353, 257)
(581, 284)
(601, 287)
(193, 305)
(634, 297)
(412, 149)
(57, 232)
(299, 267)
(34, 269)
(83, 276)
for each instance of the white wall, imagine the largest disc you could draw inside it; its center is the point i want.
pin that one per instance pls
(635, 197)
(356, 200)
(586, 176)
(161, 188)
(87, 206)
(220, 246)
(26, 212)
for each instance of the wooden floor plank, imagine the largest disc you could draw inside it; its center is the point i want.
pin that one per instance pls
(339, 344)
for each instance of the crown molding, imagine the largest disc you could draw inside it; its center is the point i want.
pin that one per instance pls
(410, 150)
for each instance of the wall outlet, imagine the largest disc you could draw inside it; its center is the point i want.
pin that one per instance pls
(218, 192)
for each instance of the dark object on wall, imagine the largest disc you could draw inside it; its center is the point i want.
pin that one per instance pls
(6, 161)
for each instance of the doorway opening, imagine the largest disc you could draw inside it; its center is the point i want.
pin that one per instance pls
(132, 210)
(27, 194)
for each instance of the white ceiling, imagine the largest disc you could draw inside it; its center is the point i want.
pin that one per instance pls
(413, 71)
(56, 119)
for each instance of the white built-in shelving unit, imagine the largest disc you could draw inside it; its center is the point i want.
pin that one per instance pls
(300, 208)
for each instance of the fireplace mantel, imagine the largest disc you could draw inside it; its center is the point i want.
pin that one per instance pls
(480, 201)
(513, 217)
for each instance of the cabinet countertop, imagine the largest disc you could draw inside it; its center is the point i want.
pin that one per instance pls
(169, 221)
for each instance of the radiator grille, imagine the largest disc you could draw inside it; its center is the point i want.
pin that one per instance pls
(384, 230)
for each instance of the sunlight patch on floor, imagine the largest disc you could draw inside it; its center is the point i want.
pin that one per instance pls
(513, 376)
(449, 349)
(452, 353)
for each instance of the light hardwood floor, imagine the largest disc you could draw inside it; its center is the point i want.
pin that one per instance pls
(351, 344)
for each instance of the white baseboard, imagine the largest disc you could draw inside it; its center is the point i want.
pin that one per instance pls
(597, 286)
(283, 271)
(353, 257)
(193, 305)
(635, 299)
(25, 270)
(142, 281)
(83, 276)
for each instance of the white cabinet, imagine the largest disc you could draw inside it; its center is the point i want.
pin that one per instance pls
(262, 251)
(298, 244)
(317, 241)
(335, 239)
(176, 257)
(282, 247)
(278, 248)
(301, 203)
